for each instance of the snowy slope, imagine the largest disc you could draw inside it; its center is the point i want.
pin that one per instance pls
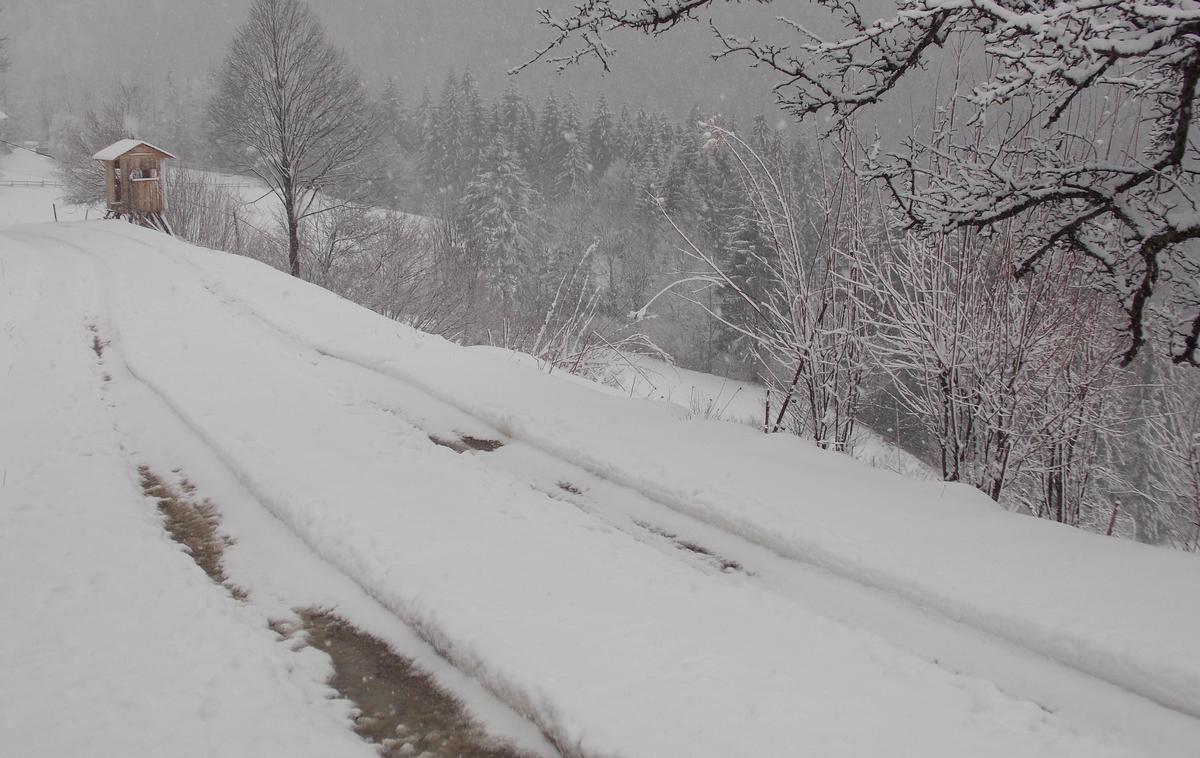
(635, 582)
(25, 202)
(716, 397)
(1080, 598)
(614, 645)
(259, 205)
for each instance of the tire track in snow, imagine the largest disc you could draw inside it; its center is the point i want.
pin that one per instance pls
(430, 635)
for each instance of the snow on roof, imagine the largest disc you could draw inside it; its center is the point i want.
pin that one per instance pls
(117, 149)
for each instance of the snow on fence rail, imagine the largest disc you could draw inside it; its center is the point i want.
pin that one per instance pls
(29, 183)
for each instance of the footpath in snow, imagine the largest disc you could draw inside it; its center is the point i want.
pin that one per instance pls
(612, 646)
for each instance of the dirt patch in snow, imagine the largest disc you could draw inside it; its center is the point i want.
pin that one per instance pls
(692, 547)
(193, 524)
(98, 344)
(481, 444)
(466, 442)
(403, 711)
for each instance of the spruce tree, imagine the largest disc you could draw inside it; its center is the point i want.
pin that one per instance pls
(392, 111)
(516, 126)
(602, 139)
(552, 146)
(575, 172)
(625, 138)
(496, 207)
(474, 130)
(681, 194)
(441, 156)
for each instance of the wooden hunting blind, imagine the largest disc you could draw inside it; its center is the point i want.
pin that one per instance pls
(134, 182)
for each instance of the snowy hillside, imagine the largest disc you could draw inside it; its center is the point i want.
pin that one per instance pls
(716, 397)
(259, 206)
(589, 573)
(630, 581)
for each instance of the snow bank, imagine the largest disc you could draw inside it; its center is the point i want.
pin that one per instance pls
(1111, 608)
(612, 646)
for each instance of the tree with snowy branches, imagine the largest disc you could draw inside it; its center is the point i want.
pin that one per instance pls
(800, 316)
(575, 170)
(475, 137)
(496, 209)
(1080, 126)
(602, 139)
(443, 147)
(1174, 431)
(516, 125)
(552, 146)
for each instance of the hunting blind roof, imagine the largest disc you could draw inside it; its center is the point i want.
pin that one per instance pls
(117, 149)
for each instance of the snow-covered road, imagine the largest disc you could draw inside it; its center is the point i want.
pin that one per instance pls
(633, 582)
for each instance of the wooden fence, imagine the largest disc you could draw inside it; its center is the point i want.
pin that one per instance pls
(29, 183)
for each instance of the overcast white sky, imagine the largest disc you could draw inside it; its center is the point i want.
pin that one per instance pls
(91, 44)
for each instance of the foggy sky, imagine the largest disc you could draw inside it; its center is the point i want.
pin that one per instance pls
(93, 44)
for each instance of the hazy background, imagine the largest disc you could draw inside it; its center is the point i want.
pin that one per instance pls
(67, 50)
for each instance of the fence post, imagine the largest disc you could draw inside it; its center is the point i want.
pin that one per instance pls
(55, 207)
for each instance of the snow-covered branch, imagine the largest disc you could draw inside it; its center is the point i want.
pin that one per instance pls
(1082, 120)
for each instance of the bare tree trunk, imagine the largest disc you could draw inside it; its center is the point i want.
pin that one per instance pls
(293, 232)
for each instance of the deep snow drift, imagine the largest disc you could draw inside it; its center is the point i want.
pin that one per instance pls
(518, 565)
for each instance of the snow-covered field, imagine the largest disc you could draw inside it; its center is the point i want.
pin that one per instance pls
(261, 207)
(618, 577)
(22, 204)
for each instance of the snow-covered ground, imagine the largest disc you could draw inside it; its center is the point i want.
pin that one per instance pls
(621, 576)
(25, 203)
(260, 206)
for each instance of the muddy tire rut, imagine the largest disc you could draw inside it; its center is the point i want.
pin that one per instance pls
(401, 709)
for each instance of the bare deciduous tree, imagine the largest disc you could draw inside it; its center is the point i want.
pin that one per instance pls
(1174, 431)
(336, 244)
(1125, 199)
(802, 317)
(423, 277)
(1009, 377)
(205, 212)
(82, 176)
(290, 110)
